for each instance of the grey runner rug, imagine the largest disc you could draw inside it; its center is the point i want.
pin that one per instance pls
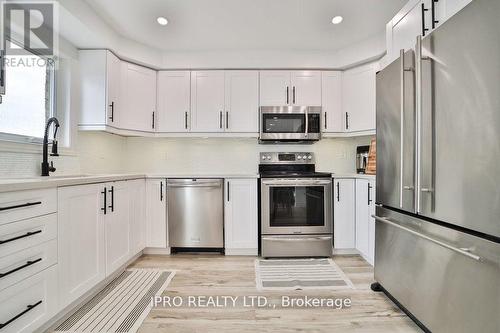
(122, 305)
(300, 274)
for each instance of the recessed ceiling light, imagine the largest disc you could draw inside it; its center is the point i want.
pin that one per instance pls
(162, 20)
(337, 19)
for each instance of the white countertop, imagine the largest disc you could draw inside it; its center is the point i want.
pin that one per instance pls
(203, 175)
(19, 184)
(31, 183)
(353, 175)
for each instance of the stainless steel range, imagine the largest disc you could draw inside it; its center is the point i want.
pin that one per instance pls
(296, 206)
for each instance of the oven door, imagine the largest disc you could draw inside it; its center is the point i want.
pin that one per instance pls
(296, 206)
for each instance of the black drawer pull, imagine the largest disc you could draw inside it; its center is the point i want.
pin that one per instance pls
(31, 233)
(28, 309)
(21, 206)
(27, 264)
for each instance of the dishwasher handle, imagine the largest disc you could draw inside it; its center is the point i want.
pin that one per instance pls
(202, 183)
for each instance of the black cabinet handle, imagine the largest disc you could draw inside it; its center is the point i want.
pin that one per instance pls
(220, 119)
(27, 264)
(338, 191)
(227, 119)
(28, 309)
(293, 95)
(112, 117)
(326, 126)
(433, 11)
(228, 186)
(346, 120)
(112, 191)
(287, 95)
(28, 234)
(28, 204)
(424, 29)
(161, 190)
(186, 120)
(369, 196)
(104, 208)
(153, 122)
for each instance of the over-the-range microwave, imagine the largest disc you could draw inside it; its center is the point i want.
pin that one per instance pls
(294, 124)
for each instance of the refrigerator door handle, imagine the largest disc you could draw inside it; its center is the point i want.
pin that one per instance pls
(464, 251)
(402, 120)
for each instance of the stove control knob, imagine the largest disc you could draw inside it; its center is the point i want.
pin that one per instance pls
(269, 157)
(263, 157)
(299, 157)
(309, 157)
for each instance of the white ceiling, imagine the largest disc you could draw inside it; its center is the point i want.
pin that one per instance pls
(196, 25)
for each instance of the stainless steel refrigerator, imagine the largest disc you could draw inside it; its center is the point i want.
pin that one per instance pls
(437, 244)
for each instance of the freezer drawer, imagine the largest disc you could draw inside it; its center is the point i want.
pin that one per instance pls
(447, 279)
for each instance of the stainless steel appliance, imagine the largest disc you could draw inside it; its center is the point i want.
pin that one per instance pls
(437, 244)
(195, 214)
(295, 205)
(298, 124)
(362, 158)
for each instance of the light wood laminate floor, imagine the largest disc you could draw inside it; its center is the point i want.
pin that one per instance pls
(214, 275)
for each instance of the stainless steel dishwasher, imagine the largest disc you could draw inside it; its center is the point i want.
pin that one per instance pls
(195, 214)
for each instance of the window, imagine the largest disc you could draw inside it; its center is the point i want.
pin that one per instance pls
(29, 97)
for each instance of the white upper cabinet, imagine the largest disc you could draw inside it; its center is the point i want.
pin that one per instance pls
(358, 98)
(241, 102)
(306, 88)
(274, 88)
(99, 89)
(331, 95)
(139, 98)
(174, 99)
(207, 101)
(115, 95)
(418, 18)
(280, 88)
(344, 212)
(241, 217)
(113, 84)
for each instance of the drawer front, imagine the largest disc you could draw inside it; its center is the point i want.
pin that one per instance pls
(15, 206)
(21, 235)
(297, 246)
(447, 290)
(26, 306)
(23, 264)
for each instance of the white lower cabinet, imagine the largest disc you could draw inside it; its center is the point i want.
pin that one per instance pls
(137, 191)
(117, 224)
(365, 226)
(27, 305)
(241, 217)
(99, 231)
(156, 213)
(344, 214)
(81, 236)
(353, 225)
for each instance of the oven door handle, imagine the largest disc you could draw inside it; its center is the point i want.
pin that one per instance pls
(298, 239)
(301, 182)
(307, 123)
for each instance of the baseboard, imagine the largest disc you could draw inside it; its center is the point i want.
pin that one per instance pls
(69, 310)
(157, 251)
(241, 252)
(345, 252)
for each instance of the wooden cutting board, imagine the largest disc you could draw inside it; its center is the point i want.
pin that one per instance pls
(371, 167)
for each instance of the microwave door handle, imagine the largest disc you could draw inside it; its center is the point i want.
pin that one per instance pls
(307, 124)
